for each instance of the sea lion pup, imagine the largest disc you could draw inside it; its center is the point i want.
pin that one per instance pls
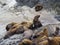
(16, 29)
(36, 23)
(10, 25)
(54, 40)
(56, 33)
(41, 36)
(26, 42)
(42, 33)
(38, 7)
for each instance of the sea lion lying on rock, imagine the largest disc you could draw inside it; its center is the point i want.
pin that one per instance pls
(44, 32)
(14, 25)
(17, 30)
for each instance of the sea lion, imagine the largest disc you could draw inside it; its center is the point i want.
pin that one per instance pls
(10, 25)
(36, 23)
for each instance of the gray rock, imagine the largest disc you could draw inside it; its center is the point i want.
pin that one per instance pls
(28, 34)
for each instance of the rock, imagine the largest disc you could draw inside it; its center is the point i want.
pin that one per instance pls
(13, 40)
(28, 34)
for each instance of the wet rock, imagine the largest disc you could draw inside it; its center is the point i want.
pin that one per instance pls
(28, 34)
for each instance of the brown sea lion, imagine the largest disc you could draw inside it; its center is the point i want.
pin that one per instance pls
(40, 36)
(36, 23)
(42, 33)
(17, 29)
(10, 25)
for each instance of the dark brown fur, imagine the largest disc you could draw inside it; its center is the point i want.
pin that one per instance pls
(36, 23)
(16, 29)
